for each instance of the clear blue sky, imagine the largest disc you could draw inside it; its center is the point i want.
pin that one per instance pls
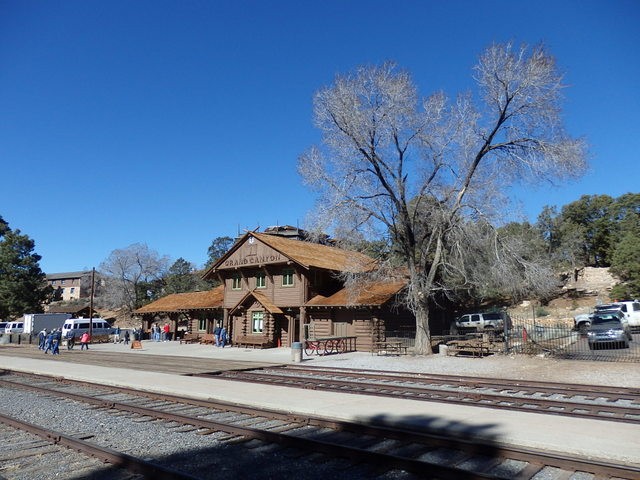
(174, 122)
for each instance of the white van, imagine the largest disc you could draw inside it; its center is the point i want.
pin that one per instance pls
(78, 326)
(14, 327)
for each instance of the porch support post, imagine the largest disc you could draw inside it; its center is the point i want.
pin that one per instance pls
(302, 321)
(225, 320)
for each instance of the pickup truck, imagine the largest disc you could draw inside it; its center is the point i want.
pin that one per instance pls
(630, 309)
(482, 322)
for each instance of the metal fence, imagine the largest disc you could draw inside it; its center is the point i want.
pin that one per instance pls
(530, 337)
(562, 341)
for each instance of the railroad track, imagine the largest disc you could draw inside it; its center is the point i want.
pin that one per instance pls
(371, 450)
(586, 401)
(29, 451)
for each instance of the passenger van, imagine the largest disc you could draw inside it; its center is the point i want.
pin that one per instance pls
(14, 327)
(78, 326)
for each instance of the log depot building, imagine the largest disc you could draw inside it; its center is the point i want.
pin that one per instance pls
(278, 289)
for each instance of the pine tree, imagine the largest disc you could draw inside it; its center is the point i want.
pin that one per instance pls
(23, 286)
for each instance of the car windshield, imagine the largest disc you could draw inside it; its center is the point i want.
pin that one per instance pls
(607, 321)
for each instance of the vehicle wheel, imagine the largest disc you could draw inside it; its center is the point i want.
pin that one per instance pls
(584, 326)
(310, 349)
(625, 344)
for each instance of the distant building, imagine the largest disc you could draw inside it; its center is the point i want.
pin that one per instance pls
(70, 285)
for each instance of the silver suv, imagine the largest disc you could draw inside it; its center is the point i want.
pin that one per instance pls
(608, 329)
(483, 322)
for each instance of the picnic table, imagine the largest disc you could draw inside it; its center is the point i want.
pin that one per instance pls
(477, 347)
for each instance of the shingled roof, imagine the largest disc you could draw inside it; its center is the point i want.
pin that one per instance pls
(181, 302)
(259, 297)
(374, 294)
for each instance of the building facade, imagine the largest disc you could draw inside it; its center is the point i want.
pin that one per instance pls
(70, 285)
(279, 290)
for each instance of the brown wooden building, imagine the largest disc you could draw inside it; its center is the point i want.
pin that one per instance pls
(194, 312)
(279, 290)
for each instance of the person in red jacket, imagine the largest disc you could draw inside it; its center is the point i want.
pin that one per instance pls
(165, 331)
(84, 341)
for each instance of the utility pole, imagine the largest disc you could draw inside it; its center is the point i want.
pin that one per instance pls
(93, 276)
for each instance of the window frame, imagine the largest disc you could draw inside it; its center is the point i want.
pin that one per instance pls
(236, 282)
(288, 273)
(257, 316)
(261, 280)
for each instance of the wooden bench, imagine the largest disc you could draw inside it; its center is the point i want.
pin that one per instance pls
(389, 348)
(208, 339)
(190, 338)
(253, 341)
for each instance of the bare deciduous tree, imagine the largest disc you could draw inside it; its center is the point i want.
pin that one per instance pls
(128, 273)
(429, 174)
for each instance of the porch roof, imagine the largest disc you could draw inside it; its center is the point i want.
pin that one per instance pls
(181, 302)
(373, 294)
(261, 298)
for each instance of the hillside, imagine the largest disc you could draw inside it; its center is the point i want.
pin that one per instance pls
(579, 294)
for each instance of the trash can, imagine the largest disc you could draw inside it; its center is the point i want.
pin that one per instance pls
(296, 352)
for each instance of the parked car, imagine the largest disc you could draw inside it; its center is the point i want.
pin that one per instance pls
(609, 329)
(483, 322)
(630, 310)
(14, 327)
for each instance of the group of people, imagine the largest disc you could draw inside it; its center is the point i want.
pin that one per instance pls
(220, 336)
(159, 333)
(50, 341)
(117, 336)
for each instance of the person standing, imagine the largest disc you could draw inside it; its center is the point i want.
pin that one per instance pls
(48, 342)
(57, 338)
(216, 335)
(42, 336)
(116, 336)
(165, 332)
(71, 340)
(126, 337)
(223, 337)
(84, 341)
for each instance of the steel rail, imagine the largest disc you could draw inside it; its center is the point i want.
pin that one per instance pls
(482, 382)
(312, 445)
(434, 394)
(537, 460)
(107, 455)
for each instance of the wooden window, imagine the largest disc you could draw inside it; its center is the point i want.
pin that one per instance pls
(236, 283)
(261, 280)
(257, 322)
(287, 278)
(202, 324)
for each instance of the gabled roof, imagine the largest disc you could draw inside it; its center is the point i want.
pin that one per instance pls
(181, 302)
(65, 275)
(306, 254)
(74, 309)
(260, 298)
(374, 294)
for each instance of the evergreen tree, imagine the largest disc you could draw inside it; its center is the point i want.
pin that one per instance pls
(219, 246)
(23, 287)
(182, 278)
